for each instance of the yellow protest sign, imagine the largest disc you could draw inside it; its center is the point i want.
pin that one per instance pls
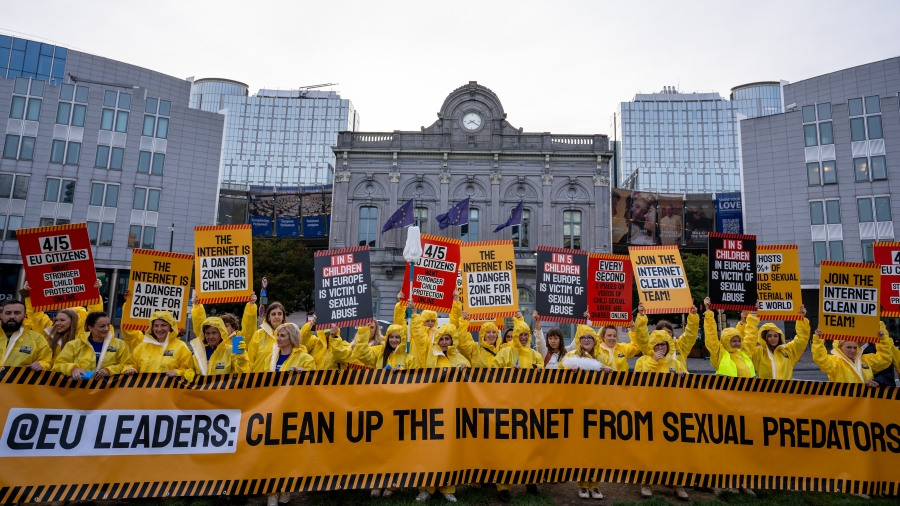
(223, 256)
(159, 281)
(848, 295)
(661, 282)
(778, 282)
(489, 279)
(266, 433)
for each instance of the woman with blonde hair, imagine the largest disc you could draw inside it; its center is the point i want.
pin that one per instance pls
(67, 325)
(95, 353)
(846, 364)
(286, 354)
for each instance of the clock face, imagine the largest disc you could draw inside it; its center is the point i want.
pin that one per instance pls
(471, 121)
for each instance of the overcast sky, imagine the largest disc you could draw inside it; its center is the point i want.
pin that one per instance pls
(557, 66)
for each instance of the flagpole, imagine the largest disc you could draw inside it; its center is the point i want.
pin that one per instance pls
(412, 253)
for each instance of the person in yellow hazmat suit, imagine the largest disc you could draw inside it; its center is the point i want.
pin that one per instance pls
(482, 353)
(246, 326)
(327, 348)
(56, 330)
(587, 357)
(213, 351)
(726, 354)
(391, 354)
(161, 350)
(662, 361)
(772, 357)
(287, 354)
(442, 355)
(519, 355)
(96, 353)
(552, 347)
(682, 344)
(846, 364)
(19, 346)
(67, 326)
(264, 337)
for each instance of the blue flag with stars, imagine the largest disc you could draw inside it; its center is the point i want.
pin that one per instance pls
(515, 218)
(458, 215)
(403, 217)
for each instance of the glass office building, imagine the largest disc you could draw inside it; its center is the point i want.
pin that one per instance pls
(672, 142)
(29, 58)
(276, 137)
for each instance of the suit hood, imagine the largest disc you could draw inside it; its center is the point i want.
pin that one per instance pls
(214, 321)
(166, 317)
(766, 328)
(727, 334)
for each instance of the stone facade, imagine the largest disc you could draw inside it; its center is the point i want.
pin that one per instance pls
(494, 164)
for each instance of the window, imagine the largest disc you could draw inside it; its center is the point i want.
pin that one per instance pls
(826, 135)
(861, 168)
(144, 162)
(824, 111)
(26, 101)
(829, 172)
(159, 160)
(812, 171)
(103, 195)
(857, 129)
(146, 199)
(469, 231)
(817, 212)
(855, 106)
(65, 152)
(156, 121)
(836, 250)
(12, 186)
(809, 135)
(833, 212)
(809, 113)
(879, 167)
(869, 124)
(820, 252)
(874, 209)
(822, 213)
(73, 150)
(521, 234)
(72, 105)
(115, 111)
(868, 251)
(883, 209)
(15, 149)
(106, 234)
(870, 169)
(59, 190)
(873, 123)
(572, 229)
(864, 206)
(141, 237)
(368, 225)
(111, 158)
(873, 105)
(102, 156)
(421, 218)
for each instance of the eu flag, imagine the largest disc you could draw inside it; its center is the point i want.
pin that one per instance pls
(403, 217)
(515, 218)
(458, 214)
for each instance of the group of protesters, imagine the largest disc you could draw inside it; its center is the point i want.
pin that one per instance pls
(81, 343)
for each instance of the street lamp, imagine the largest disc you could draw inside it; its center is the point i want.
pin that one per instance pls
(171, 236)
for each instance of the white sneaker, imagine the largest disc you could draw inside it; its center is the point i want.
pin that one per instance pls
(387, 493)
(679, 491)
(422, 497)
(646, 491)
(582, 493)
(596, 494)
(284, 497)
(272, 501)
(450, 497)
(375, 492)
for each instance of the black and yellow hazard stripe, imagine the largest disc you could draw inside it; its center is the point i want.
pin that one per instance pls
(24, 376)
(166, 489)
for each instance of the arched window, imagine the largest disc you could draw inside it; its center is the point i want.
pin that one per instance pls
(368, 225)
(572, 229)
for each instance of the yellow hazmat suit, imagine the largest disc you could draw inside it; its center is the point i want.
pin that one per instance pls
(267, 359)
(222, 360)
(482, 353)
(603, 358)
(154, 356)
(620, 353)
(115, 357)
(329, 352)
(517, 354)
(668, 363)
(248, 321)
(437, 358)
(373, 356)
(841, 369)
(39, 322)
(728, 361)
(682, 345)
(24, 348)
(422, 337)
(777, 364)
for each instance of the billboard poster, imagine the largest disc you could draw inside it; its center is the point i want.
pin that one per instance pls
(671, 219)
(287, 212)
(698, 220)
(620, 213)
(642, 221)
(562, 281)
(315, 209)
(729, 213)
(262, 210)
(343, 287)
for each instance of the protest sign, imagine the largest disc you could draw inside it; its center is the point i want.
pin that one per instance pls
(158, 281)
(848, 292)
(732, 272)
(59, 266)
(435, 274)
(236, 434)
(609, 289)
(778, 282)
(343, 287)
(489, 279)
(661, 281)
(223, 256)
(562, 280)
(887, 256)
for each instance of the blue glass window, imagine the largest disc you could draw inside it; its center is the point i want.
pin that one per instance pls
(72, 153)
(11, 146)
(149, 124)
(109, 98)
(27, 150)
(124, 101)
(162, 127)
(115, 161)
(873, 122)
(57, 151)
(150, 107)
(159, 161)
(144, 162)
(122, 121)
(165, 107)
(102, 156)
(106, 119)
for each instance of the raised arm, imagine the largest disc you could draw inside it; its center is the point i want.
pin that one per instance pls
(750, 337)
(881, 359)
(362, 351)
(798, 345)
(820, 354)
(688, 338)
(249, 319)
(711, 332)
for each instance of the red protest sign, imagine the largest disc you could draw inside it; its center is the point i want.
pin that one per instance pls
(59, 266)
(435, 274)
(887, 255)
(609, 289)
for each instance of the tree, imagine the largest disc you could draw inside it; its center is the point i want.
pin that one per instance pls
(288, 266)
(695, 268)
